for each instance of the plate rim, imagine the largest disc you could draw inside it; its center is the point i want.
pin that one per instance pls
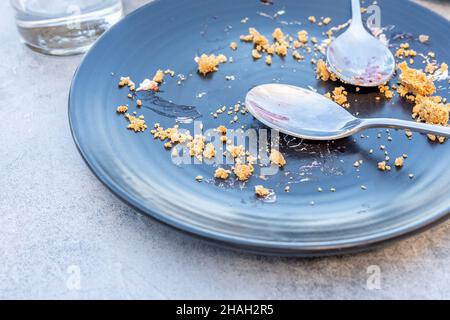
(294, 249)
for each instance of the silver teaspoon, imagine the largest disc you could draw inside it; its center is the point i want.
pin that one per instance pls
(358, 58)
(305, 114)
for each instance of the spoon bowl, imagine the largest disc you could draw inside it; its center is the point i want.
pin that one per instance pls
(358, 58)
(308, 115)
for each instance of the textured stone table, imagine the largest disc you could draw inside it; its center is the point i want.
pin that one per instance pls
(64, 235)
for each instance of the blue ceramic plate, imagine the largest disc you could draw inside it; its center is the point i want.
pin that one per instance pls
(169, 34)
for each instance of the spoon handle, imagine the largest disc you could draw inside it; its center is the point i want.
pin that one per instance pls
(356, 13)
(404, 124)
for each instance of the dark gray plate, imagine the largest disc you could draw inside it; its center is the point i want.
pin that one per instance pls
(168, 34)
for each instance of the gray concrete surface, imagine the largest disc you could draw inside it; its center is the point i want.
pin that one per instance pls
(64, 235)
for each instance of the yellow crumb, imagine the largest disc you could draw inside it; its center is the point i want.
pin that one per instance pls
(277, 158)
(199, 178)
(431, 110)
(159, 76)
(139, 102)
(261, 192)
(256, 54)
(326, 21)
(322, 72)
(281, 50)
(233, 45)
(137, 124)
(383, 166)
(297, 55)
(415, 81)
(278, 35)
(210, 151)
(243, 171)
(399, 162)
(386, 91)
(339, 95)
(236, 151)
(169, 72)
(261, 42)
(303, 36)
(269, 59)
(431, 68)
(222, 130)
(222, 174)
(196, 147)
(207, 64)
(312, 19)
(122, 109)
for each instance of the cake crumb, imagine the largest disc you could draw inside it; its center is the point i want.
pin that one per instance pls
(208, 64)
(322, 72)
(261, 192)
(383, 166)
(159, 76)
(399, 162)
(415, 81)
(339, 95)
(277, 158)
(233, 46)
(137, 124)
(122, 109)
(222, 173)
(312, 19)
(210, 151)
(243, 171)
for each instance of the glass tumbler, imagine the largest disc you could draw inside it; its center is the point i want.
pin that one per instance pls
(64, 27)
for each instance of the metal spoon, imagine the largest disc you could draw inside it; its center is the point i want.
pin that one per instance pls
(305, 114)
(357, 57)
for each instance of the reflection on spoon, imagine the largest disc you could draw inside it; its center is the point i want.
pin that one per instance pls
(358, 58)
(305, 114)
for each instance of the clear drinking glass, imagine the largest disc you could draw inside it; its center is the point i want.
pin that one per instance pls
(64, 27)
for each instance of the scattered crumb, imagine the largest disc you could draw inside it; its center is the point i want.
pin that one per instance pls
(322, 72)
(302, 36)
(383, 166)
(431, 110)
(261, 192)
(339, 95)
(122, 109)
(399, 162)
(415, 81)
(210, 151)
(222, 130)
(159, 76)
(277, 158)
(312, 19)
(256, 54)
(137, 124)
(233, 45)
(222, 174)
(207, 64)
(199, 178)
(243, 171)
